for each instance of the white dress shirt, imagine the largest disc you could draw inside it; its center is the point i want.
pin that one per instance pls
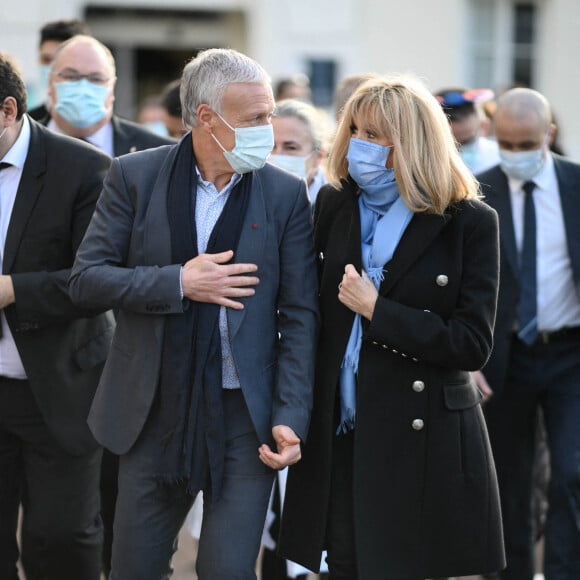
(102, 139)
(10, 361)
(558, 302)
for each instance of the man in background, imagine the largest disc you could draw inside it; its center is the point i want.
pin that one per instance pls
(171, 103)
(469, 126)
(52, 35)
(535, 362)
(81, 94)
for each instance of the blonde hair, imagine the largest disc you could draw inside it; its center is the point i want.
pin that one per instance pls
(428, 169)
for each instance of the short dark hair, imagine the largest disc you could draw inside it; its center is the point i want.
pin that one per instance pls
(456, 105)
(61, 30)
(12, 84)
(170, 99)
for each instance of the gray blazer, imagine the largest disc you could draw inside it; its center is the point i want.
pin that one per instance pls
(124, 263)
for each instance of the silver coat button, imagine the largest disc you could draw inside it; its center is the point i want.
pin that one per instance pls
(417, 424)
(442, 280)
(418, 386)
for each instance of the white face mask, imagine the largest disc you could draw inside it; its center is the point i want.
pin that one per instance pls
(523, 164)
(252, 149)
(468, 153)
(291, 163)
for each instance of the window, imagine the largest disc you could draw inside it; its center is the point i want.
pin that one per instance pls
(524, 36)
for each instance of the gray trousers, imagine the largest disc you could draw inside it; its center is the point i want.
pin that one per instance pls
(149, 515)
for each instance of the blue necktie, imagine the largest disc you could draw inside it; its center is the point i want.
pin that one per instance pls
(528, 309)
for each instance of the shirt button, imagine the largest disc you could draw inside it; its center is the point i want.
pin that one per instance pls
(442, 280)
(417, 424)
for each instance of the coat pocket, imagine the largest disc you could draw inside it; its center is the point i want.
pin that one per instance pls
(94, 351)
(460, 396)
(461, 399)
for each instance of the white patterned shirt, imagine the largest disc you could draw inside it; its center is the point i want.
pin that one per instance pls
(209, 205)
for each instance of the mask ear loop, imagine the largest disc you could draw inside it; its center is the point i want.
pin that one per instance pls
(216, 139)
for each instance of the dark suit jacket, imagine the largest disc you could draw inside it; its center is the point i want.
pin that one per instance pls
(496, 190)
(128, 136)
(63, 347)
(125, 263)
(425, 496)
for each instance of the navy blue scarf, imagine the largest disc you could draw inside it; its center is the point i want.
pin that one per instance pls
(189, 405)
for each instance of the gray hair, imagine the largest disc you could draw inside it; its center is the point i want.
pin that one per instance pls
(206, 77)
(314, 120)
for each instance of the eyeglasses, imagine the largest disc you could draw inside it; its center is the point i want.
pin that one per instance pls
(94, 78)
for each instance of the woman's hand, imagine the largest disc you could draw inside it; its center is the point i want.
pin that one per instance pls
(357, 293)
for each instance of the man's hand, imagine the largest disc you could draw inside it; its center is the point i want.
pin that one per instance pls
(288, 446)
(6, 291)
(357, 293)
(482, 385)
(209, 278)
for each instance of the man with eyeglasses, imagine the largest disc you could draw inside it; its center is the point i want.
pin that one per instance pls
(81, 96)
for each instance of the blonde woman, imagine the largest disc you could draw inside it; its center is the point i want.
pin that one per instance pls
(396, 479)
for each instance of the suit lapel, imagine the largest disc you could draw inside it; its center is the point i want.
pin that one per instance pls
(121, 140)
(157, 235)
(568, 186)
(420, 232)
(251, 243)
(498, 196)
(29, 188)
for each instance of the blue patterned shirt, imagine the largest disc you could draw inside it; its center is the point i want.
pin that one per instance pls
(209, 205)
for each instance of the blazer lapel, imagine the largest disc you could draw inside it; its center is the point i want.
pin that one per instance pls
(420, 232)
(251, 243)
(569, 195)
(157, 237)
(498, 197)
(121, 140)
(29, 188)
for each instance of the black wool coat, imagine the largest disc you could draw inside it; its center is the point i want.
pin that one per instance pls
(425, 493)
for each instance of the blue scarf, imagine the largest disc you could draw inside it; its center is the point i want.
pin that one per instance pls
(384, 218)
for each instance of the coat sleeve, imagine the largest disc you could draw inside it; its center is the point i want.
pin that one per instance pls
(102, 275)
(464, 339)
(297, 321)
(41, 296)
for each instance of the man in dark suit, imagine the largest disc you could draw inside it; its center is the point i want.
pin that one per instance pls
(51, 351)
(81, 93)
(536, 357)
(207, 254)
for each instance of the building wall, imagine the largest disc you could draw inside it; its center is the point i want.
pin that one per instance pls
(434, 40)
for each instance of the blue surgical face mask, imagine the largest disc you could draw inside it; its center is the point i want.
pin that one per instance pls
(367, 163)
(81, 103)
(468, 153)
(157, 127)
(522, 164)
(253, 146)
(291, 163)
(43, 77)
